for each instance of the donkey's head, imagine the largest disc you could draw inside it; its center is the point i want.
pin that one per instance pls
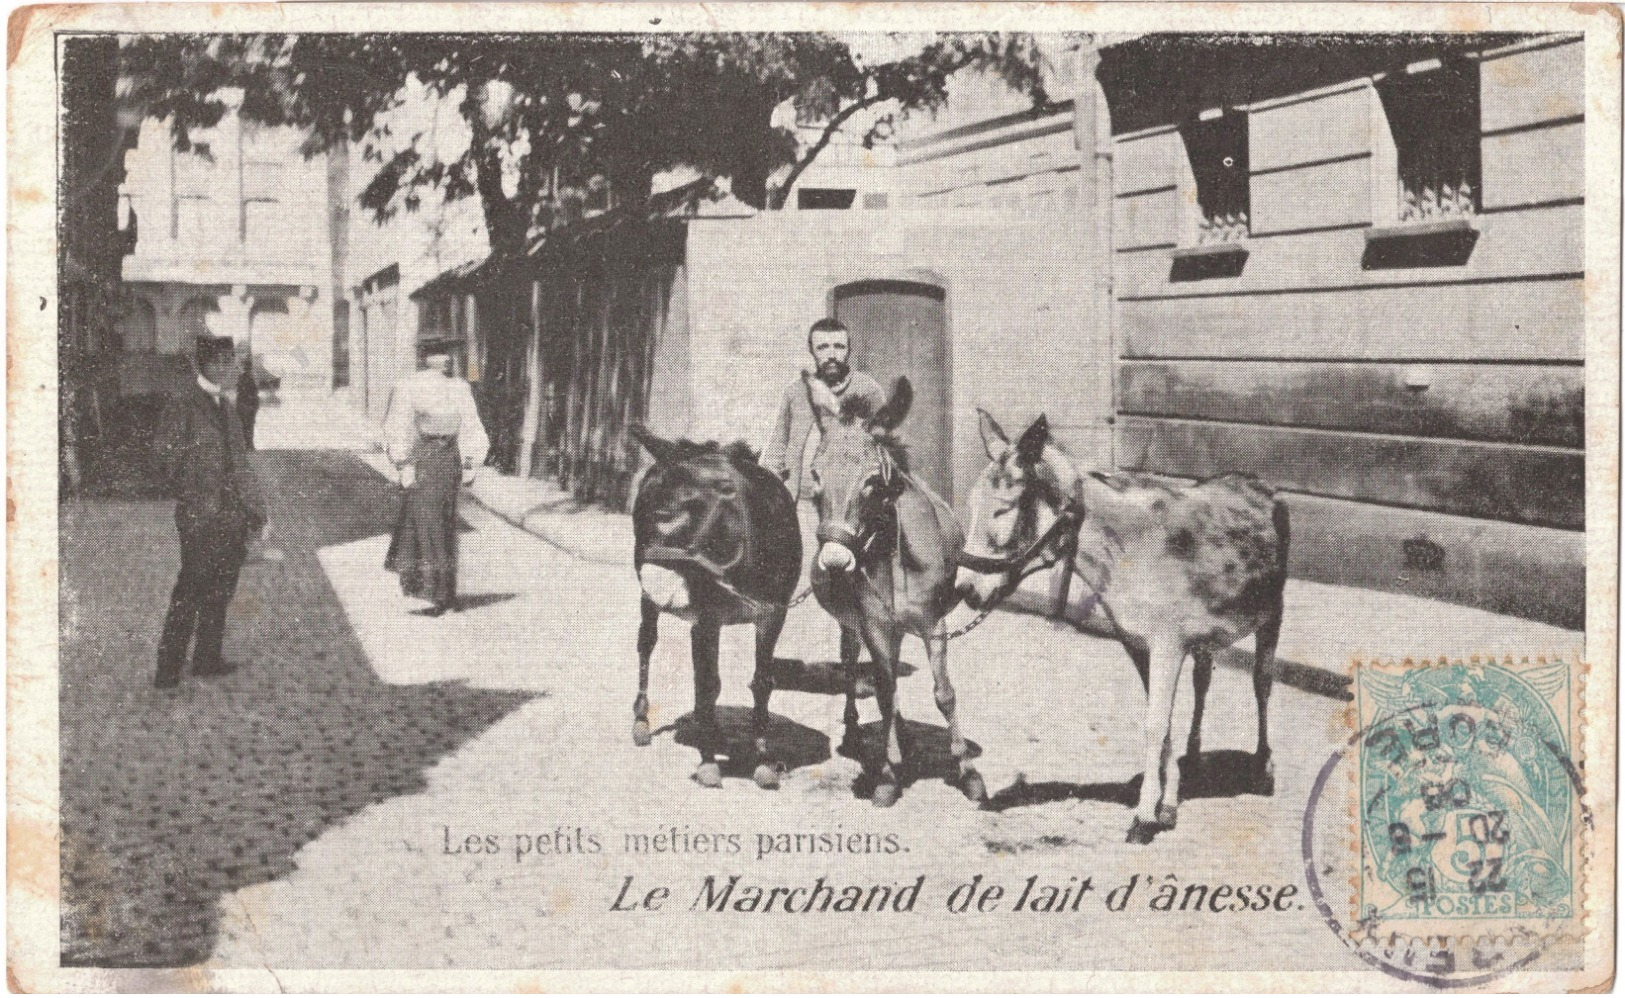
(1014, 504)
(691, 515)
(858, 471)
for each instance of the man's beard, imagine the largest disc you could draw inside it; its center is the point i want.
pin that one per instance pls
(833, 372)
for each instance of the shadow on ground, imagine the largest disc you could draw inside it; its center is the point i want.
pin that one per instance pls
(790, 744)
(827, 677)
(171, 800)
(1221, 774)
(927, 754)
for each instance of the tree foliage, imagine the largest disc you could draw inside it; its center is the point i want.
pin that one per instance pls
(555, 119)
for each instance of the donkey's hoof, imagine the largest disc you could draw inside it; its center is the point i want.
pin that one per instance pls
(1142, 832)
(885, 795)
(640, 734)
(1264, 777)
(766, 776)
(973, 787)
(1167, 815)
(708, 775)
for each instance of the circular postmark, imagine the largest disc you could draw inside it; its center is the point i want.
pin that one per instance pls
(1459, 855)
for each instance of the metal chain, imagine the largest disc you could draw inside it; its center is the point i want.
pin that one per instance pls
(975, 622)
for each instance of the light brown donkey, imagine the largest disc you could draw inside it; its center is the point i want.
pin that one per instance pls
(1175, 571)
(885, 565)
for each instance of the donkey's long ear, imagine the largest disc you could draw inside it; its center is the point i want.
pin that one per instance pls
(1031, 445)
(892, 414)
(824, 404)
(993, 438)
(662, 450)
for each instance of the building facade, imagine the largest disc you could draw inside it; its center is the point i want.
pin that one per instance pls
(1350, 265)
(951, 249)
(379, 264)
(1354, 267)
(229, 238)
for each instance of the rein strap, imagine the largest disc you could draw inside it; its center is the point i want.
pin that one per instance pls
(1009, 563)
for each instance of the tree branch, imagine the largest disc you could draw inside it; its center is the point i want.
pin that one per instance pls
(782, 192)
(882, 94)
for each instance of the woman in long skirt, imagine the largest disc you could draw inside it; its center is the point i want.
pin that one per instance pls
(435, 439)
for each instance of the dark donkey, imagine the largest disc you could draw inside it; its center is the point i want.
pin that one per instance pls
(1175, 571)
(886, 562)
(715, 542)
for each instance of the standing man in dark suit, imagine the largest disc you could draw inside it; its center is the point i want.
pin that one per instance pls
(218, 506)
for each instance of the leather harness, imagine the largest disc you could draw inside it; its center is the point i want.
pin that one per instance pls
(701, 548)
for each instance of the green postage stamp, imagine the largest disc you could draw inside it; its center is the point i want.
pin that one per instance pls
(1470, 804)
(1468, 792)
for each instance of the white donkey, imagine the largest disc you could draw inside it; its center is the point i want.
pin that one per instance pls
(1175, 571)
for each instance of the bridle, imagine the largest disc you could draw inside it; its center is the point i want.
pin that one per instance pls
(698, 552)
(862, 540)
(1061, 535)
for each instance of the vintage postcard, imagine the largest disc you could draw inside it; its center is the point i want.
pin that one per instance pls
(799, 497)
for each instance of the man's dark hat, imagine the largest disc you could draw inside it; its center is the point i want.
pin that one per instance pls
(210, 348)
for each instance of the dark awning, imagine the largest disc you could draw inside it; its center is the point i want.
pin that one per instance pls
(673, 205)
(667, 206)
(448, 282)
(1161, 79)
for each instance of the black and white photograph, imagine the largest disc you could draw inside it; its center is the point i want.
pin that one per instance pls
(868, 497)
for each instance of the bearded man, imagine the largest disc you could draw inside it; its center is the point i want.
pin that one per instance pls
(788, 453)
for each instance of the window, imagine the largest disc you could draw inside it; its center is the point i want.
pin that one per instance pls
(817, 198)
(435, 319)
(192, 219)
(1217, 173)
(1433, 117)
(265, 228)
(265, 180)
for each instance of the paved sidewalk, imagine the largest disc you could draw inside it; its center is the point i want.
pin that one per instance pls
(550, 513)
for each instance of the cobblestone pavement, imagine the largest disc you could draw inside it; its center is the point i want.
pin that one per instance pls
(170, 800)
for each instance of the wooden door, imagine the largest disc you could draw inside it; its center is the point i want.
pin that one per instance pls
(901, 328)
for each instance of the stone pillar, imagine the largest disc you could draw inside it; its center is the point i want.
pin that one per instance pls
(1092, 137)
(229, 160)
